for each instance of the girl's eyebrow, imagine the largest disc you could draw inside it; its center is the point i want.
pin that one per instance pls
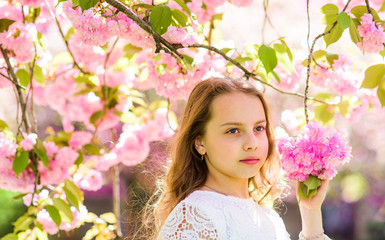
(238, 123)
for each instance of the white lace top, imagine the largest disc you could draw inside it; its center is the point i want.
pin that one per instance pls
(210, 215)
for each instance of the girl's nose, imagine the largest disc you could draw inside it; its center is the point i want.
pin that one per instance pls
(251, 142)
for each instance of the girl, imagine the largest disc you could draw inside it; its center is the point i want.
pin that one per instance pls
(224, 170)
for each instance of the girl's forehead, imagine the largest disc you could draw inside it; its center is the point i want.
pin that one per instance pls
(239, 107)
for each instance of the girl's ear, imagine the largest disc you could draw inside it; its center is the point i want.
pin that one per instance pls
(199, 146)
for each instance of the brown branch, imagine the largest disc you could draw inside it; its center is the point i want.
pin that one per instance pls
(15, 83)
(172, 48)
(63, 37)
(144, 25)
(18, 89)
(309, 62)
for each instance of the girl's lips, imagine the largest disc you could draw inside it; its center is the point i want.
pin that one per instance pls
(250, 161)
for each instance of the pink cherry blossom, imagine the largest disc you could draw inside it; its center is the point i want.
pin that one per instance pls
(19, 40)
(289, 80)
(79, 139)
(202, 15)
(180, 35)
(31, 3)
(57, 170)
(132, 147)
(104, 162)
(7, 146)
(317, 152)
(242, 3)
(158, 128)
(92, 180)
(50, 226)
(29, 141)
(373, 37)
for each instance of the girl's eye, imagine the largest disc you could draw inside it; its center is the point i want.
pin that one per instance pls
(260, 128)
(233, 131)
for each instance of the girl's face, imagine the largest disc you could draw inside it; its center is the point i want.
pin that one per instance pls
(235, 141)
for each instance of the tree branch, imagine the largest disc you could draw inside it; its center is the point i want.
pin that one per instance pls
(309, 62)
(63, 37)
(18, 89)
(172, 48)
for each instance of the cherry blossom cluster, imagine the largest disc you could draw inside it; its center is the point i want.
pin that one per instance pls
(373, 37)
(317, 152)
(340, 76)
(169, 78)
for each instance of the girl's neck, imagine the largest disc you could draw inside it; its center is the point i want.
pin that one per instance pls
(230, 188)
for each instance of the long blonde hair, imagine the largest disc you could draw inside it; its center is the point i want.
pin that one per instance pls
(187, 173)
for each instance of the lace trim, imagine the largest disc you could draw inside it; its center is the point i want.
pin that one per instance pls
(187, 222)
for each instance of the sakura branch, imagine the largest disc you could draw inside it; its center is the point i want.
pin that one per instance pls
(63, 37)
(310, 56)
(169, 47)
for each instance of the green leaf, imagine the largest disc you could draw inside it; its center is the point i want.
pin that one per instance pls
(381, 92)
(41, 234)
(373, 75)
(283, 56)
(10, 236)
(343, 20)
(5, 23)
(324, 96)
(312, 193)
(23, 223)
(73, 193)
(92, 149)
(160, 18)
(96, 116)
(243, 59)
(382, 8)
(359, 11)
(226, 50)
(3, 125)
(179, 17)
(144, 5)
(80, 159)
(69, 33)
(288, 52)
(38, 75)
(302, 190)
(188, 60)
(276, 76)
(130, 50)
(329, 9)
(334, 35)
(312, 182)
(268, 58)
(23, 77)
(54, 214)
(75, 3)
(331, 58)
(87, 4)
(64, 209)
(42, 40)
(323, 114)
(317, 55)
(43, 156)
(59, 1)
(158, 104)
(329, 19)
(354, 35)
(71, 198)
(183, 6)
(129, 117)
(21, 162)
